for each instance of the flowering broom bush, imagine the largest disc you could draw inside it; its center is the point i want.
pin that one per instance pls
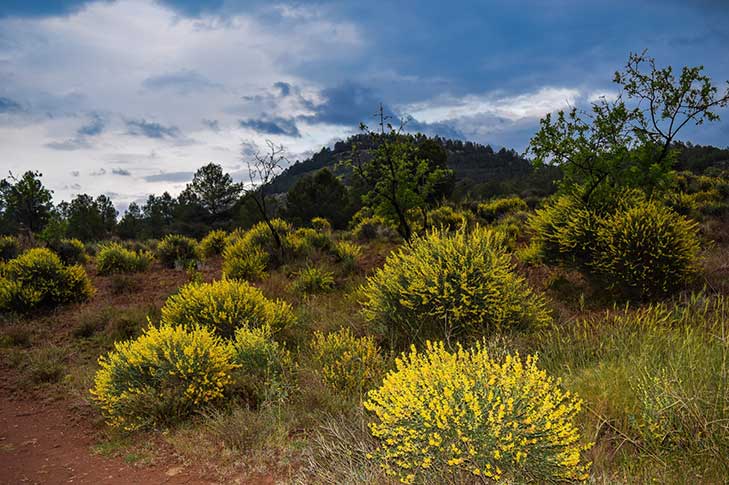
(9, 248)
(161, 377)
(175, 249)
(115, 258)
(224, 306)
(262, 364)
(214, 243)
(451, 286)
(347, 364)
(440, 413)
(71, 251)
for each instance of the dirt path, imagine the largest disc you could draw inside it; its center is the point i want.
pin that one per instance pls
(45, 444)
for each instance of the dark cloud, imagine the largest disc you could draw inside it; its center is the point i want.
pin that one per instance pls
(97, 173)
(170, 177)
(442, 129)
(7, 105)
(151, 129)
(248, 149)
(212, 124)
(185, 81)
(121, 171)
(94, 127)
(284, 89)
(347, 104)
(273, 126)
(75, 173)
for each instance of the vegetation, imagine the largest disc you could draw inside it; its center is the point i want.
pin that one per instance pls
(313, 280)
(115, 258)
(71, 251)
(175, 250)
(9, 247)
(214, 243)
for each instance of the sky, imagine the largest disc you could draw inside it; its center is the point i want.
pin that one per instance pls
(130, 97)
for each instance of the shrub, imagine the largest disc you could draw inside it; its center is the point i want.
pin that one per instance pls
(37, 279)
(304, 240)
(161, 377)
(224, 306)
(9, 248)
(244, 263)
(453, 286)
(647, 251)
(347, 364)
(348, 254)
(214, 243)
(375, 227)
(262, 364)
(494, 209)
(447, 217)
(441, 412)
(114, 258)
(71, 251)
(313, 280)
(259, 236)
(321, 224)
(176, 250)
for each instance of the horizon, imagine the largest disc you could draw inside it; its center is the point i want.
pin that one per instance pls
(128, 98)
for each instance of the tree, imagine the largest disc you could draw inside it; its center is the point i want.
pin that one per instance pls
(25, 203)
(262, 170)
(213, 189)
(318, 195)
(91, 219)
(397, 174)
(132, 222)
(159, 214)
(628, 141)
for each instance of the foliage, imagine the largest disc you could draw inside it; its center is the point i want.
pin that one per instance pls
(161, 377)
(447, 217)
(318, 195)
(25, 203)
(321, 224)
(244, 263)
(90, 219)
(347, 364)
(261, 365)
(213, 190)
(503, 420)
(374, 227)
(306, 239)
(494, 209)
(256, 251)
(175, 249)
(313, 280)
(71, 251)
(114, 258)
(38, 279)
(347, 254)
(214, 243)
(224, 306)
(451, 286)
(9, 247)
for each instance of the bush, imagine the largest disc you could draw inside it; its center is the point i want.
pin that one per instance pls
(371, 228)
(176, 250)
(647, 251)
(313, 280)
(347, 364)
(225, 306)
(161, 377)
(447, 217)
(441, 413)
(494, 209)
(38, 279)
(321, 224)
(248, 256)
(114, 258)
(262, 364)
(348, 254)
(259, 236)
(244, 263)
(304, 240)
(214, 243)
(451, 286)
(9, 248)
(71, 251)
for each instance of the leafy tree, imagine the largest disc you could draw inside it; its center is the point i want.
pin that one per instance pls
(397, 174)
(628, 141)
(90, 219)
(159, 214)
(131, 224)
(24, 202)
(213, 190)
(319, 195)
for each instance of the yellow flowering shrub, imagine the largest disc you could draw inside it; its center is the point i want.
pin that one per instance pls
(213, 243)
(451, 286)
(321, 224)
(161, 377)
(38, 279)
(347, 253)
(71, 251)
(115, 258)
(248, 255)
(313, 280)
(347, 364)
(463, 411)
(9, 247)
(447, 217)
(244, 263)
(175, 249)
(224, 306)
(494, 209)
(261, 363)
(304, 240)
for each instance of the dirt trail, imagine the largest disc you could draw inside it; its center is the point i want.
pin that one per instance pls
(45, 443)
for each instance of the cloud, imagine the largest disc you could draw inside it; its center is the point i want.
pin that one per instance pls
(151, 129)
(68, 145)
(283, 88)
(170, 177)
(7, 105)
(94, 127)
(97, 173)
(348, 104)
(75, 173)
(273, 126)
(121, 171)
(183, 82)
(214, 125)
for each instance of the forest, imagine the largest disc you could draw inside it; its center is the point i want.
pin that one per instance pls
(398, 308)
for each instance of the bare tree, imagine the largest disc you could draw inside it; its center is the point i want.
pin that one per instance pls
(262, 170)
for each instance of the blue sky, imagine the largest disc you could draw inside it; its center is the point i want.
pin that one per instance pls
(129, 97)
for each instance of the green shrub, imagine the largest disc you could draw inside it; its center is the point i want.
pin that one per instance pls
(304, 240)
(262, 364)
(371, 228)
(447, 217)
(161, 377)
(347, 254)
(244, 263)
(494, 209)
(453, 286)
(250, 255)
(321, 224)
(224, 306)
(441, 413)
(9, 248)
(313, 280)
(71, 251)
(114, 258)
(38, 279)
(347, 364)
(176, 250)
(214, 243)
